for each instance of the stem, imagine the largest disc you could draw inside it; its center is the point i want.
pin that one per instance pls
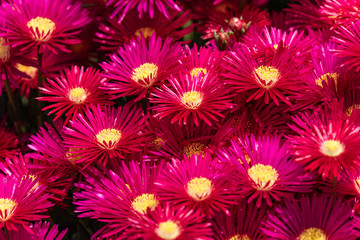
(13, 105)
(40, 118)
(6, 233)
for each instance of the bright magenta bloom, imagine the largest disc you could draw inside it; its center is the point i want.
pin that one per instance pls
(104, 134)
(73, 91)
(42, 23)
(195, 97)
(318, 217)
(193, 183)
(141, 65)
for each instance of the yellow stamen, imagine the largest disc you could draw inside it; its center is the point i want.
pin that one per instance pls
(7, 208)
(264, 176)
(72, 156)
(77, 95)
(28, 70)
(240, 237)
(194, 148)
(325, 78)
(109, 135)
(168, 230)
(357, 184)
(146, 31)
(143, 202)
(158, 142)
(332, 148)
(192, 99)
(196, 71)
(4, 50)
(267, 74)
(145, 75)
(199, 188)
(350, 109)
(312, 234)
(45, 27)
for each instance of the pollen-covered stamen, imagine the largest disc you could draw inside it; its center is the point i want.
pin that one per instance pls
(199, 188)
(109, 135)
(312, 234)
(325, 78)
(146, 32)
(141, 203)
(4, 50)
(240, 237)
(7, 207)
(45, 28)
(192, 99)
(77, 95)
(264, 176)
(194, 148)
(158, 142)
(350, 109)
(72, 154)
(357, 184)
(168, 230)
(196, 71)
(28, 70)
(145, 75)
(267, 76)
(332, 148)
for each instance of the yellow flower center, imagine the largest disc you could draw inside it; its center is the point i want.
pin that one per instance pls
(357, 184)
(196, 71)
(199, 188)
(240, 237)
(28, 70)
(192, 99)
(145, 75)
(332, 148)
(194, 148)
(4, 50)
(325, 77)
(143, 202)
(312, 234)
(350, 109)
(168, 230)
(7, 207)
(72, 156)
(267, 74)
(264, 176)
(109, 135)
(146, 31)
(45, 28)
(77, 95)
(158, 142)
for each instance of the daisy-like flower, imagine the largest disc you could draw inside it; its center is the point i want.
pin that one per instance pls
(265, 170)
(116, 196)
(326, 141)
(111, 35)
(121, 8)
(140, 66)
(274, 79)
(341, 12)
(193, 183)
(318, 217)
(103, 134)
(170, 223)
(21, 201)
(243, 223)
(73, 91)
(9, 143)
(40, 23)
(41, 231)
(198, 97)
(348, 42)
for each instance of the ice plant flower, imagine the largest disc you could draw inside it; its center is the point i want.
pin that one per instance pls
(74, 90)
(118, 195)
(139, 66)
(106, 133)
(193, 183)
(170, 223)
(198, 97)
(265, 170)
(111, 35)
(40, 23)
(121, 8)
(274, 79)
(326, 142)
(340, 12)
(9, 143)
(317, 217)
(21, 201)
(243, 223)
(41, 231)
